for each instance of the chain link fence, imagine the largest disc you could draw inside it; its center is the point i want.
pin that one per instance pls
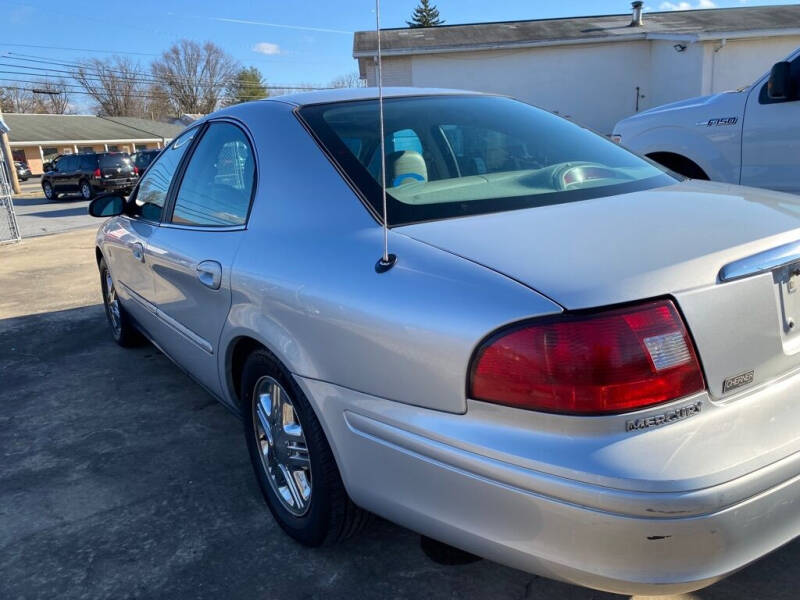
(9, 231)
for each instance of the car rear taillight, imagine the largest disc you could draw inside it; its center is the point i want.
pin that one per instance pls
(605, 362)
(135, 170)
(97, 174)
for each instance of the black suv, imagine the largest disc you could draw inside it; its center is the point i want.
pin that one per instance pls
(89, 174)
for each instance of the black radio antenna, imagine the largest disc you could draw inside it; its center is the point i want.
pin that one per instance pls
(386, 260)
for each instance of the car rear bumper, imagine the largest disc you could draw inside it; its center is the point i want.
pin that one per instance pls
(395, 462)
(110, 185)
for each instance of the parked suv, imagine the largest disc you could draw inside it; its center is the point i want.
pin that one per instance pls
(89, 174)
(23, 172)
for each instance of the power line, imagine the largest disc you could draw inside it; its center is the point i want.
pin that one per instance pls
(79, 49)
(95, 75)
(79, 87)
(27, 89)
(93, 71)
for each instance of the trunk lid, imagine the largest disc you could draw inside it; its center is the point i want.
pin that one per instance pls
(667, 241)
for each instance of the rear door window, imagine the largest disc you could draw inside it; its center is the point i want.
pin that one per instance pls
(219, 180)
(88, 162)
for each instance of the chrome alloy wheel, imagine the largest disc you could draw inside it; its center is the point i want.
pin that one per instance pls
(112, 305)
(282, 445)
(86, 190)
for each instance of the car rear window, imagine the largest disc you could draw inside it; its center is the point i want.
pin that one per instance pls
(143, 159)
(456, 155)
(114, 160)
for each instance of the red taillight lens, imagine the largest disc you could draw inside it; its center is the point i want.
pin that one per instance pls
(613, 361)
(135, 170)
(97, 173)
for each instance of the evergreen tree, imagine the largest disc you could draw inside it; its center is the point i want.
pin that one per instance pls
(425, 15)
(248, 84)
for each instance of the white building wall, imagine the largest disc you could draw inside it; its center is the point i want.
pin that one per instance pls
(594, 84)
(674, 75)
(396, 71)
(739, 63)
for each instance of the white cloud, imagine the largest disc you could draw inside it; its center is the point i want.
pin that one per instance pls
(267, 48)
(687, 5)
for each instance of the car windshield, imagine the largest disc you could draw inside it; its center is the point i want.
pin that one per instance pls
(451, 155)
(108, 161)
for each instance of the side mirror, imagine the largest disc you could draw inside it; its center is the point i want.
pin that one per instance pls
(109, 205)
(780, 81)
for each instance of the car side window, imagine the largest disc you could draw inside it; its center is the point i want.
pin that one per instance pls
(88, 162)
(218, 182)
(763, 96)
(152, 192)
(66, 164)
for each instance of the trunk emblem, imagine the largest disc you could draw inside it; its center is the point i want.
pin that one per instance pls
(670, 416)
(737, 381)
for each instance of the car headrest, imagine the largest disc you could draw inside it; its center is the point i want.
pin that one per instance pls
(407, 166)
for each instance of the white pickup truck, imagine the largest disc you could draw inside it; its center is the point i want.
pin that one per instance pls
(751, 136)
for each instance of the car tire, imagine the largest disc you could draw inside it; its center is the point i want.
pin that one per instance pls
(122, 329)
(49, 191)
(327, 515)
(87, 193)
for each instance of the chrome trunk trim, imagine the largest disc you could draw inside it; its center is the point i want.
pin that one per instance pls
(763, 261)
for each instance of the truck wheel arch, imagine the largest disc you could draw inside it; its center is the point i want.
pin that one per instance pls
(679, 164)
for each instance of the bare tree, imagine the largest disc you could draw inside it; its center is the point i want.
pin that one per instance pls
(157, 104)
(115, 84)
(17, 99)
(51, 97)
(195, 75)
(349, 80)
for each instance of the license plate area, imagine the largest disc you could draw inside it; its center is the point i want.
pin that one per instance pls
(787, 287)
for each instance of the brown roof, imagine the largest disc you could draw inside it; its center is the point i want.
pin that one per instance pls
(694, 23)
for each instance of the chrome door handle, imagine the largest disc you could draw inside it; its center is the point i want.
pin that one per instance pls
(138, 251)
(209, 272)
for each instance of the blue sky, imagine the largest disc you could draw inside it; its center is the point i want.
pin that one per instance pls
(290, 41)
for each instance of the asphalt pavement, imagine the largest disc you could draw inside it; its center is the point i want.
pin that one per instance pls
(36, 215)
(121, 478)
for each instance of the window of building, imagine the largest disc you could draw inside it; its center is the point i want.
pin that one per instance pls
(49, 153)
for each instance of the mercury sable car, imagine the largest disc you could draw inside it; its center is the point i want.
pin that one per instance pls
(573, 363)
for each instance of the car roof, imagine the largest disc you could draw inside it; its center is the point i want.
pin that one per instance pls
(349, 94)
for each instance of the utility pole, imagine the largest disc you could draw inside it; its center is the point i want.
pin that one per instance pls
(5, 148)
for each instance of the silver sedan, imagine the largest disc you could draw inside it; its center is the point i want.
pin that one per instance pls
(572, 362)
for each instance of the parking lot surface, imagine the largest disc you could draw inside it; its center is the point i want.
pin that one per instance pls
(119, 477)
(36, 215)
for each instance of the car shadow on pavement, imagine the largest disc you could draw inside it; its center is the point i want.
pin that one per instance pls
(65, 212)
(121, 477)
(42, 201)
